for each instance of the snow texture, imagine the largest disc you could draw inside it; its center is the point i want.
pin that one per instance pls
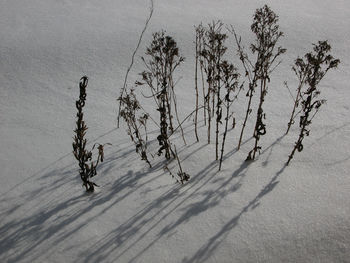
(249, 212)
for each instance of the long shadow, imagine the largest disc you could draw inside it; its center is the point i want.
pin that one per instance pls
(35, 174)
(64, 213)
(23, 235)
(144, 219)
(47, 167)
(343, 160)
(210, 199)
(31, 229)
(47, 181)
(234, 150)
(266, 162)
(209, 248)
(60, 218)
(330, 132)
(136, 228)
(114, 240)
(26, 237)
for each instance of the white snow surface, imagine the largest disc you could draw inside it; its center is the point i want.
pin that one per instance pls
(249, 212)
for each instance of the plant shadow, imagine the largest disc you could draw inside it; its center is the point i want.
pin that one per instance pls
(53, 211)
(209, 248)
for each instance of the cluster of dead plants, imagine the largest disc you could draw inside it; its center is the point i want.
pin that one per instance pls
(210, 51)
(161, 60)
(216, 74)
(212, 68)
(220, 87)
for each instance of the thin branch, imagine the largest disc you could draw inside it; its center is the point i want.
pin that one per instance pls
(132, 60)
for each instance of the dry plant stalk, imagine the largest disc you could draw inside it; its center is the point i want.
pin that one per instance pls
(164, 58)
(84, 157)
(199, 66)
(229, 78)
(200, 33)
(267, 34)
(310, 70)
(196, 84)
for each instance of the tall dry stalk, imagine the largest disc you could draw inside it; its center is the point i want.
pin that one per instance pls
(230, 82)
(84, 157)
(310, 70)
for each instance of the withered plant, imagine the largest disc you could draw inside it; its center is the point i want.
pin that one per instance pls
(200, 60)
(267, 34)
(229, 78)
(163, 59)
(129, 108)
(198, 50)
(84, 157)
(310, 70)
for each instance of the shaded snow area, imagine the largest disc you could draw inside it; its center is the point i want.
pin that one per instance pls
(261, 211)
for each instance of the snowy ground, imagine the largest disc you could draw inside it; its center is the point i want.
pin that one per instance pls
(257, 212)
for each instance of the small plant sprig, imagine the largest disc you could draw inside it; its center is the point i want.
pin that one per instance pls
(129, 107)
(181, 176)
(84, 157)
(310, 70)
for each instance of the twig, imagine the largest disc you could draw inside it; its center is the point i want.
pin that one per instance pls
(132, 60)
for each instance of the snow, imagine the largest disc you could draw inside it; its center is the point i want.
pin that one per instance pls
(256, 212)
